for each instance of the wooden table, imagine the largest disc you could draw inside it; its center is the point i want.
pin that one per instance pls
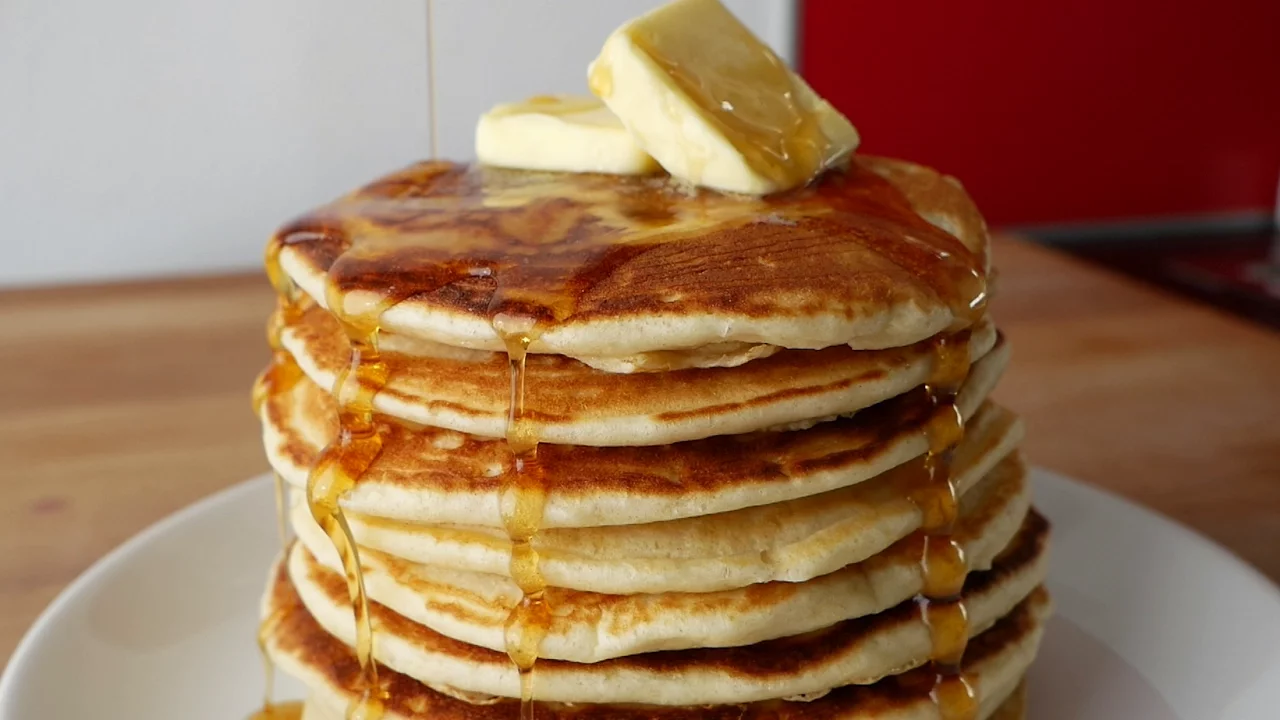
(124, 403)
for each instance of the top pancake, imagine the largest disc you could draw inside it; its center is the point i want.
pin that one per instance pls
(883, 254)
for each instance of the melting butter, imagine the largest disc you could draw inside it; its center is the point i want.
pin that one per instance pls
(715, 106)
(565, 133)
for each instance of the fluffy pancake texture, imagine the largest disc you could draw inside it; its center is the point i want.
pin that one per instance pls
(790, 541)
(433, 475)
(588, 627)
(577, 404)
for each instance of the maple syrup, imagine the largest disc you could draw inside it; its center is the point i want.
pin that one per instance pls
(268, 667)
(282, 529)
(953, 694)
(270, 709)
(281, 374)
(522, 498)
(344, 461)
(279, 711)
(431, 78)
(943, 566)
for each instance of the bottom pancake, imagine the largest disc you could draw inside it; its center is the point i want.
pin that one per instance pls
(1014, 707)
(994, 663)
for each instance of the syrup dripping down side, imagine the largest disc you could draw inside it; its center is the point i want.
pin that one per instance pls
(523, 496)
(943, 566)
(291, 710)
(432, 110)
(281, 374)
(342, 463)
(337, 469)
(270, 709)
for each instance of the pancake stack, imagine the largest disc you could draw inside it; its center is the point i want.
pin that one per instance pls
(605, 446)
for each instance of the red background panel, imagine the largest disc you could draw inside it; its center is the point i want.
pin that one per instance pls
(1064, 111)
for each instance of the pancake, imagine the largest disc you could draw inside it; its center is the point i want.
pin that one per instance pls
(791, 541)
(578, 405)
(428, 475)
(995, 663)
(724, 354)
(612, 266)
(590, 627)
(939, 199)
(1013, 707)
(859, 651)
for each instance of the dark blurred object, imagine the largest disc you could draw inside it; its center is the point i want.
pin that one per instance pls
(1236, 271)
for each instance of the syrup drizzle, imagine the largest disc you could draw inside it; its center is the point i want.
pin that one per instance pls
(342, 463)
(281, 374)
(291, 710)
(269, 706)
(943, 566)
(270, 709)
(523, 495)
(359, 441)
(431, 78)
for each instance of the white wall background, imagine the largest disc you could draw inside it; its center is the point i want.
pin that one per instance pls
(160, 137)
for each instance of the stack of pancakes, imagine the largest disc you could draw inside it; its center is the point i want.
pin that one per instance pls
(606, 446)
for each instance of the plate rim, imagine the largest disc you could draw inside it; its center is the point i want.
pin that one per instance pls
(18, 659)
(1222, 554)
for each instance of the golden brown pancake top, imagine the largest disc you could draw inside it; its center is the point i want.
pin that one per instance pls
(562, 247)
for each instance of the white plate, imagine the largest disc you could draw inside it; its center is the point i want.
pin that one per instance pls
(1153, 621)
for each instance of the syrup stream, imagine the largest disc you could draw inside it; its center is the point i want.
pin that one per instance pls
(523, 496)
(943, 566)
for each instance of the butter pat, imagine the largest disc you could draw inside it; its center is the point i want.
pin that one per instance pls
(562, 133)
(714, 105)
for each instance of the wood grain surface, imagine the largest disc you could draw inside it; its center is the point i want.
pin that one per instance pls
(124, 403)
